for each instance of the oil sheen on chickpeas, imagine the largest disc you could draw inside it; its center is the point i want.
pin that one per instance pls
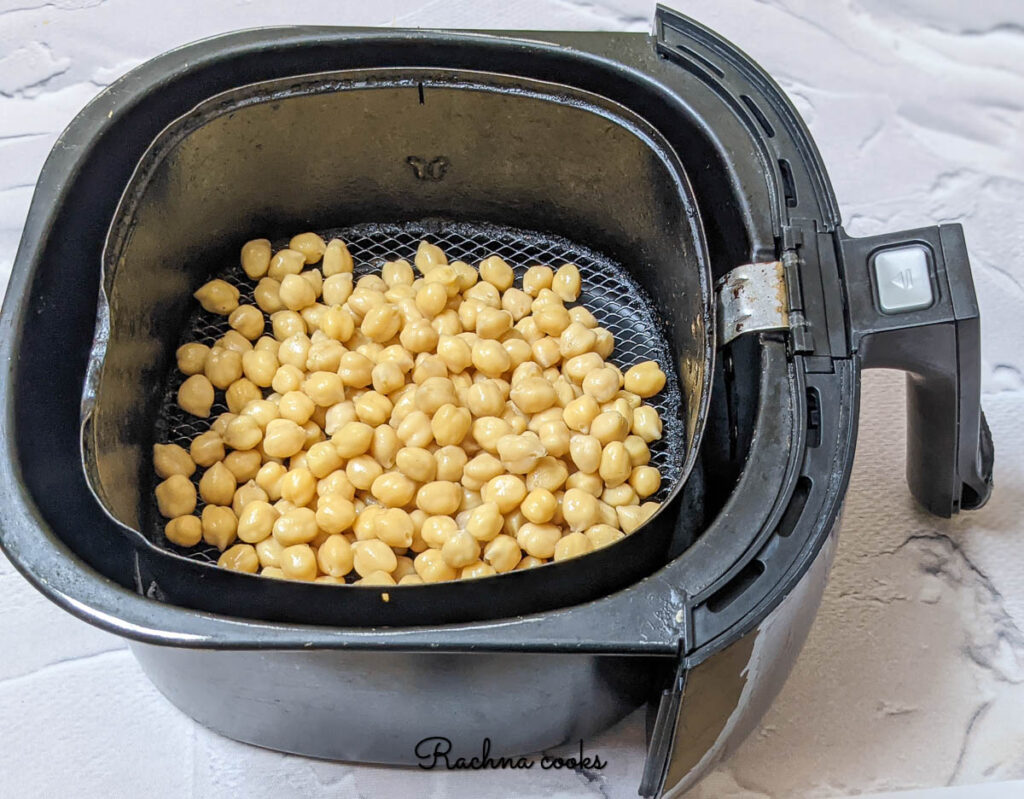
(433, 422)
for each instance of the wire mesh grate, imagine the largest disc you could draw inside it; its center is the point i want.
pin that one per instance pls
(615, 299)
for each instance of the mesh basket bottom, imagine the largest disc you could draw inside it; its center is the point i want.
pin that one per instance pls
(615, 299)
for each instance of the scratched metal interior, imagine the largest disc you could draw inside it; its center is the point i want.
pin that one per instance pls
(616, 300)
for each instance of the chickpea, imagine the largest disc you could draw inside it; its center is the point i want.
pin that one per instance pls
(298, 486)
(460, 550)
(337, 290)
(450, 462)
(517, 303)
(394, 490)
(615, 466)
(580, 413)
(195, 396)
(490, 358)
(431, 299)
(554, 437)
(487, 430)
(219, 526)
(269, 552)
(538, 540)
(539, 506)
(520, 453)
(417, 464)
(639, 454)
(259, 366)
(645, 480)
(336, 482)
(217, 297)
(578, 367)
(579, 509)
(256, 258)
(567, 282)
(546, 351)
(485, 399)
(480, 469)
(273, 572)
(362, 470)
(206, 449)
(415, 430)
(267, 295)
(503, 553)
(243, 433)
(217, 485)
(394, 527)
(553, 320)
(381, 323)
(233, 340)
(184, 531)
(335, 513)
(575, 340)
(439, 497)
(433, 393)
(455, 353)
(283, 438)
(477, 570)
(310, 245)
(601, 384)
(191, 358)
(645, 379)
(175, 497)
(295, 526)
(572, 546)
(537, 278)
(496, 272)
(356, 370)
(506, 490)
(373, 555)
(220, 424)
(241, 393)
(550, 473)
(450, 424)
(269, 479)
(298, 562)
(256, 521)
(353, 439)
(335, 556)
(285, 262)
(605, 344)
(171, 459)
(287, 378)
(619, 495)
(609, 426)
(296, 293)
(601, 535)
(240, 558)
(492, 323)
(223, 367)
(590, 483)
(337, 260)
(647, 423)
(428, 256)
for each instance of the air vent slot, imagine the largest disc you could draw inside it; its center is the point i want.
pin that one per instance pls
(795, 508)
(729, 592)
(788, 184)
(762, 120)
(813, 418)
(709, 65)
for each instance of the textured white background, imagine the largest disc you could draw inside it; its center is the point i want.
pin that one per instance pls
(913, 676)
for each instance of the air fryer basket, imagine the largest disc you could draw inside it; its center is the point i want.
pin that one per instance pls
(349, 149)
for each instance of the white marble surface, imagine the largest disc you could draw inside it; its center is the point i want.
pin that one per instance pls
(913, 676)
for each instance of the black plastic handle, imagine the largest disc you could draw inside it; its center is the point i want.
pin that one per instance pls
(949, 446)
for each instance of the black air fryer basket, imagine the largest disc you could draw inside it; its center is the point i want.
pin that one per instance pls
(676, 174)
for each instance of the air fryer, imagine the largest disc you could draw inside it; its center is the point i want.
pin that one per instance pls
(709, 175)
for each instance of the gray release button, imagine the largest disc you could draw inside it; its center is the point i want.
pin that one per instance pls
(903, 279)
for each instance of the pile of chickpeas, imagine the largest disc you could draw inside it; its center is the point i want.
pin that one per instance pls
(402, 429)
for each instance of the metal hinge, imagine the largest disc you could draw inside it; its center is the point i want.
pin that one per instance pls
(751, 298)
(764, 296)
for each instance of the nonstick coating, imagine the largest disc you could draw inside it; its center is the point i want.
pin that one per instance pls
(616, 300)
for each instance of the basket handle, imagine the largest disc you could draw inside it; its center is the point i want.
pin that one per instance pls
(912, 307)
